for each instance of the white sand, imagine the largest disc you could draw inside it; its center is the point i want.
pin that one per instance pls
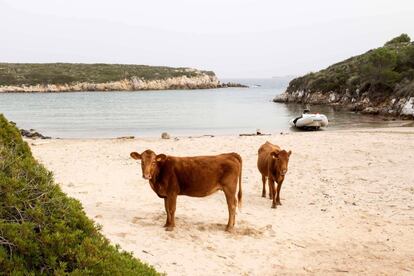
(348, 204)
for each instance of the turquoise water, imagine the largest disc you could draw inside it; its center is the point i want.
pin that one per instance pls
(178, 112)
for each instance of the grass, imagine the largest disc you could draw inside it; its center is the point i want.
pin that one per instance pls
(16, 74)
(42, 230)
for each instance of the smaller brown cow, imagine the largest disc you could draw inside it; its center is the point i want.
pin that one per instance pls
(272, 163)
(197, 176)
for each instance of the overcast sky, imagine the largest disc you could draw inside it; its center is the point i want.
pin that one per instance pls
(234, 38)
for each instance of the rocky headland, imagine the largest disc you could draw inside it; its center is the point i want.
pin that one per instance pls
(67, 77)
(380, 81)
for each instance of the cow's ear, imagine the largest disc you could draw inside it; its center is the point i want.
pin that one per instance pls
(274, 154)
(135, 155)
(161, 157)
(289, 152)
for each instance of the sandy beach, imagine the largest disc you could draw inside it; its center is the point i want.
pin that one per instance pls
(348, 203)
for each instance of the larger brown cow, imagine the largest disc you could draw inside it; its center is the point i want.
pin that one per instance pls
(198, 176)
(272, 163)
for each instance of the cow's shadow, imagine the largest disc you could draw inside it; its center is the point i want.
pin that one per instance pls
(241, 228)
(187, 223)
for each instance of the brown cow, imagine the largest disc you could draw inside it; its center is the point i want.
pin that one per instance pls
(198, 176)
(272, 163)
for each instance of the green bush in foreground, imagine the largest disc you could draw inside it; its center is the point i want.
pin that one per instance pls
(43, 231)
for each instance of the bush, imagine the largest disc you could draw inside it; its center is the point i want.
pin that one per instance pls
(403, 38)
(43, 231)
(378, 68)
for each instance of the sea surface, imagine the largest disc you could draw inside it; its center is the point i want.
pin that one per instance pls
(178, 112)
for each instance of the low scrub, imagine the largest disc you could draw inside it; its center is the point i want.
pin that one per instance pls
(18, 74)
(42, 230)
(387, 70)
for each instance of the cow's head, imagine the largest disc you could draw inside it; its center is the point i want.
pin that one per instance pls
(150, 162)
(281, 160)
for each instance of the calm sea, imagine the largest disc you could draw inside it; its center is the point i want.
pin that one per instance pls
(178, 112)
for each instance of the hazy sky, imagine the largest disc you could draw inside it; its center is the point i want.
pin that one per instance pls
(234, 38)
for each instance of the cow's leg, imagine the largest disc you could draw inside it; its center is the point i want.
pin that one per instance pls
(272, 191)
(279, 186)
(171, 204)
(168, 213)
(230, 193)
(264, 186)
(271, 187)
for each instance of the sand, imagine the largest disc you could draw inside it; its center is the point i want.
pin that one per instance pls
(348, 204)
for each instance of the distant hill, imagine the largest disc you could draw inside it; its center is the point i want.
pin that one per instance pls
(380, 81)
(56, 77)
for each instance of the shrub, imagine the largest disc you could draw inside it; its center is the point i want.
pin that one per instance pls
(403, 38)
(43, 231)
(378, 68)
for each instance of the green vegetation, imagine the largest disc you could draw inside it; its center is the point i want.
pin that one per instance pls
(399, 39)
(42, 231)
(388, 70)
(67, 73)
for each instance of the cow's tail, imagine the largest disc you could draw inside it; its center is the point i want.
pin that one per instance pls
(239, 194)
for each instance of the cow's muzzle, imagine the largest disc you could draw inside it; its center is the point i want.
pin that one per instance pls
(146, 176)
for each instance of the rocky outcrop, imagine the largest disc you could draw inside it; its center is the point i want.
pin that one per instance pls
(233, 84)
(395, 106)
(202, 81)
(33, 134)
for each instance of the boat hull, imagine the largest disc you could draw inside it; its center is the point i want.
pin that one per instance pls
(310, 121)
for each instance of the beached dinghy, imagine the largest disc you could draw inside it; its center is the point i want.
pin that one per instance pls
(309, 121)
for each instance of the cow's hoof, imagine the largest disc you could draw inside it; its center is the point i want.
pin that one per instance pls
(278, 203)
(169, 228)
(229, 229)
(263, 195)
(274, 206)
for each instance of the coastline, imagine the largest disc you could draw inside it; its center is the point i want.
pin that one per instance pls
(348, 215)
(392, 106)
(133, 84)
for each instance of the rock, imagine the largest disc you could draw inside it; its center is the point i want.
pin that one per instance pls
(165, 135)
(332, 97)
(370, 110)
(408, 107)
(25, 133)
(233, 84)
(281, 98)
(32, 134)
(125, 137)
(392, 106)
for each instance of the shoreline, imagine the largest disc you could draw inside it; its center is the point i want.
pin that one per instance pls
(342, 208)
(131, 85)
(393, 106)
(290, 130)
(390, 129)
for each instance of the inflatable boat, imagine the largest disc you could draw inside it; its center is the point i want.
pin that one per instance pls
(309, 121)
